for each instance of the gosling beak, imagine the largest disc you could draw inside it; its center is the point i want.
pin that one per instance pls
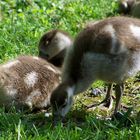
(43, 55)
(57, 119)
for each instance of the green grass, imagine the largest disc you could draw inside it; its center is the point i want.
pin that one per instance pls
(22, 23)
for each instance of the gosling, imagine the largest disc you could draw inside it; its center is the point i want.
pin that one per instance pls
(53, 45)
(108, 50)
(27, 83)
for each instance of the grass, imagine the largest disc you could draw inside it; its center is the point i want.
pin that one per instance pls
(22, 23)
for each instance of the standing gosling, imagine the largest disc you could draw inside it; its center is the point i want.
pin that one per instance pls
(108, 50)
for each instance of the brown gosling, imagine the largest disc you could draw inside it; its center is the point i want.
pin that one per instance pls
(109, 50)
(27, 82)
(53, 46)
(130, 7)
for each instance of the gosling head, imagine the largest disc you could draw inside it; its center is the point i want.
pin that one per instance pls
(61, 101)
(125, 6)
(53, 46)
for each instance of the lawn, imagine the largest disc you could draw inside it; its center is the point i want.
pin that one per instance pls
(22, 23)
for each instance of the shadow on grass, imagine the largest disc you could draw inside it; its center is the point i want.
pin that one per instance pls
(79, 119)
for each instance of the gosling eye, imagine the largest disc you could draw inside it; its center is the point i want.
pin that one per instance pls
(47, 42)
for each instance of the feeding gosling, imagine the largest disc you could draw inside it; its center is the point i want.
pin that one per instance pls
(27, 82)
(108, 50)
(53, 46)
